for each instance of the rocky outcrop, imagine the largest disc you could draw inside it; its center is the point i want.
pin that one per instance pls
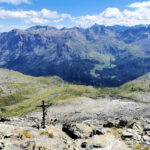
(16, 134)
(71, 126)
(121, 133)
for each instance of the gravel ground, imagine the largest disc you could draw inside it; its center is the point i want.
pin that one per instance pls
(87, 109)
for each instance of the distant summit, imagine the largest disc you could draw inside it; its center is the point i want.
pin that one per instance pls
(41, 27)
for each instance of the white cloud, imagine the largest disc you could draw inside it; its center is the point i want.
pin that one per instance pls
(111, 13)
(66, 16)
(15, 2)
(140, 14)
(113, 16)
(48, 13)
(44, 13)
(36, 17)
(36, 21)
(59, 20)
(6, 28)
(140, 4)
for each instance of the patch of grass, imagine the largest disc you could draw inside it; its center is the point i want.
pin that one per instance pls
(115, 134)
(51, 135)
(138, 147)
(1, 91)
(26, 134)
(146, 148)
(115, 128)
(128, 143)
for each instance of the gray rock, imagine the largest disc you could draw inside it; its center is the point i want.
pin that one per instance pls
(99, 141)
(146, 138)
(12, 147)
(77, 131)
(127, 135)
(138, 127)
(122, 123)
(84, 145)
(148, 120)
(109, 124)
(138, 137)
(147, 127)
(97, 131)
(1, 145)
(148, 133)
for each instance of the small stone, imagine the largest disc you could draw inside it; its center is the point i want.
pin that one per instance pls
(1, 145)
(127, 135)
(97, 131)
(148, 133)
(147, 127)
(122, 123)
(108, 124)
(137, 127)
(148, 121)
(147, 143)
(146, 138)
(84, 145)
(138, 137)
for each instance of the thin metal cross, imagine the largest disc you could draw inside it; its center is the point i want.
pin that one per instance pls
(43, 106)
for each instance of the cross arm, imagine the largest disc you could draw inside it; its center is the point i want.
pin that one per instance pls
(44, 105)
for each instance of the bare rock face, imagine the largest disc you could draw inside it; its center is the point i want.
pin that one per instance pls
(15, 135)
(28, 138)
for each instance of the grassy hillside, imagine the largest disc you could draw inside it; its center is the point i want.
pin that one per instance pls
(137, 90)
(20, 94)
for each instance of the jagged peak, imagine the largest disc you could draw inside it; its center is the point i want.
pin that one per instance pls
(38, 27)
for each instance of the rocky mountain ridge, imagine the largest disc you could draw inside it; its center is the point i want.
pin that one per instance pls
(101, 56)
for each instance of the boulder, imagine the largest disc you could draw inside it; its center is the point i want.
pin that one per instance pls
(108, 142)
(122, 123)
(108, 124)
(99, 141)
(127, 135)
(97, 131)
(138, 127)
(77, 131)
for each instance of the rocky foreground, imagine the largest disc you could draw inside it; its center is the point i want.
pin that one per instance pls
(83, 124)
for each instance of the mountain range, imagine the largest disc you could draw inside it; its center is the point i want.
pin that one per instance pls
(99, 55)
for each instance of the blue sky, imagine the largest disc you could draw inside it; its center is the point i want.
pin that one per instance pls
(68, 13)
